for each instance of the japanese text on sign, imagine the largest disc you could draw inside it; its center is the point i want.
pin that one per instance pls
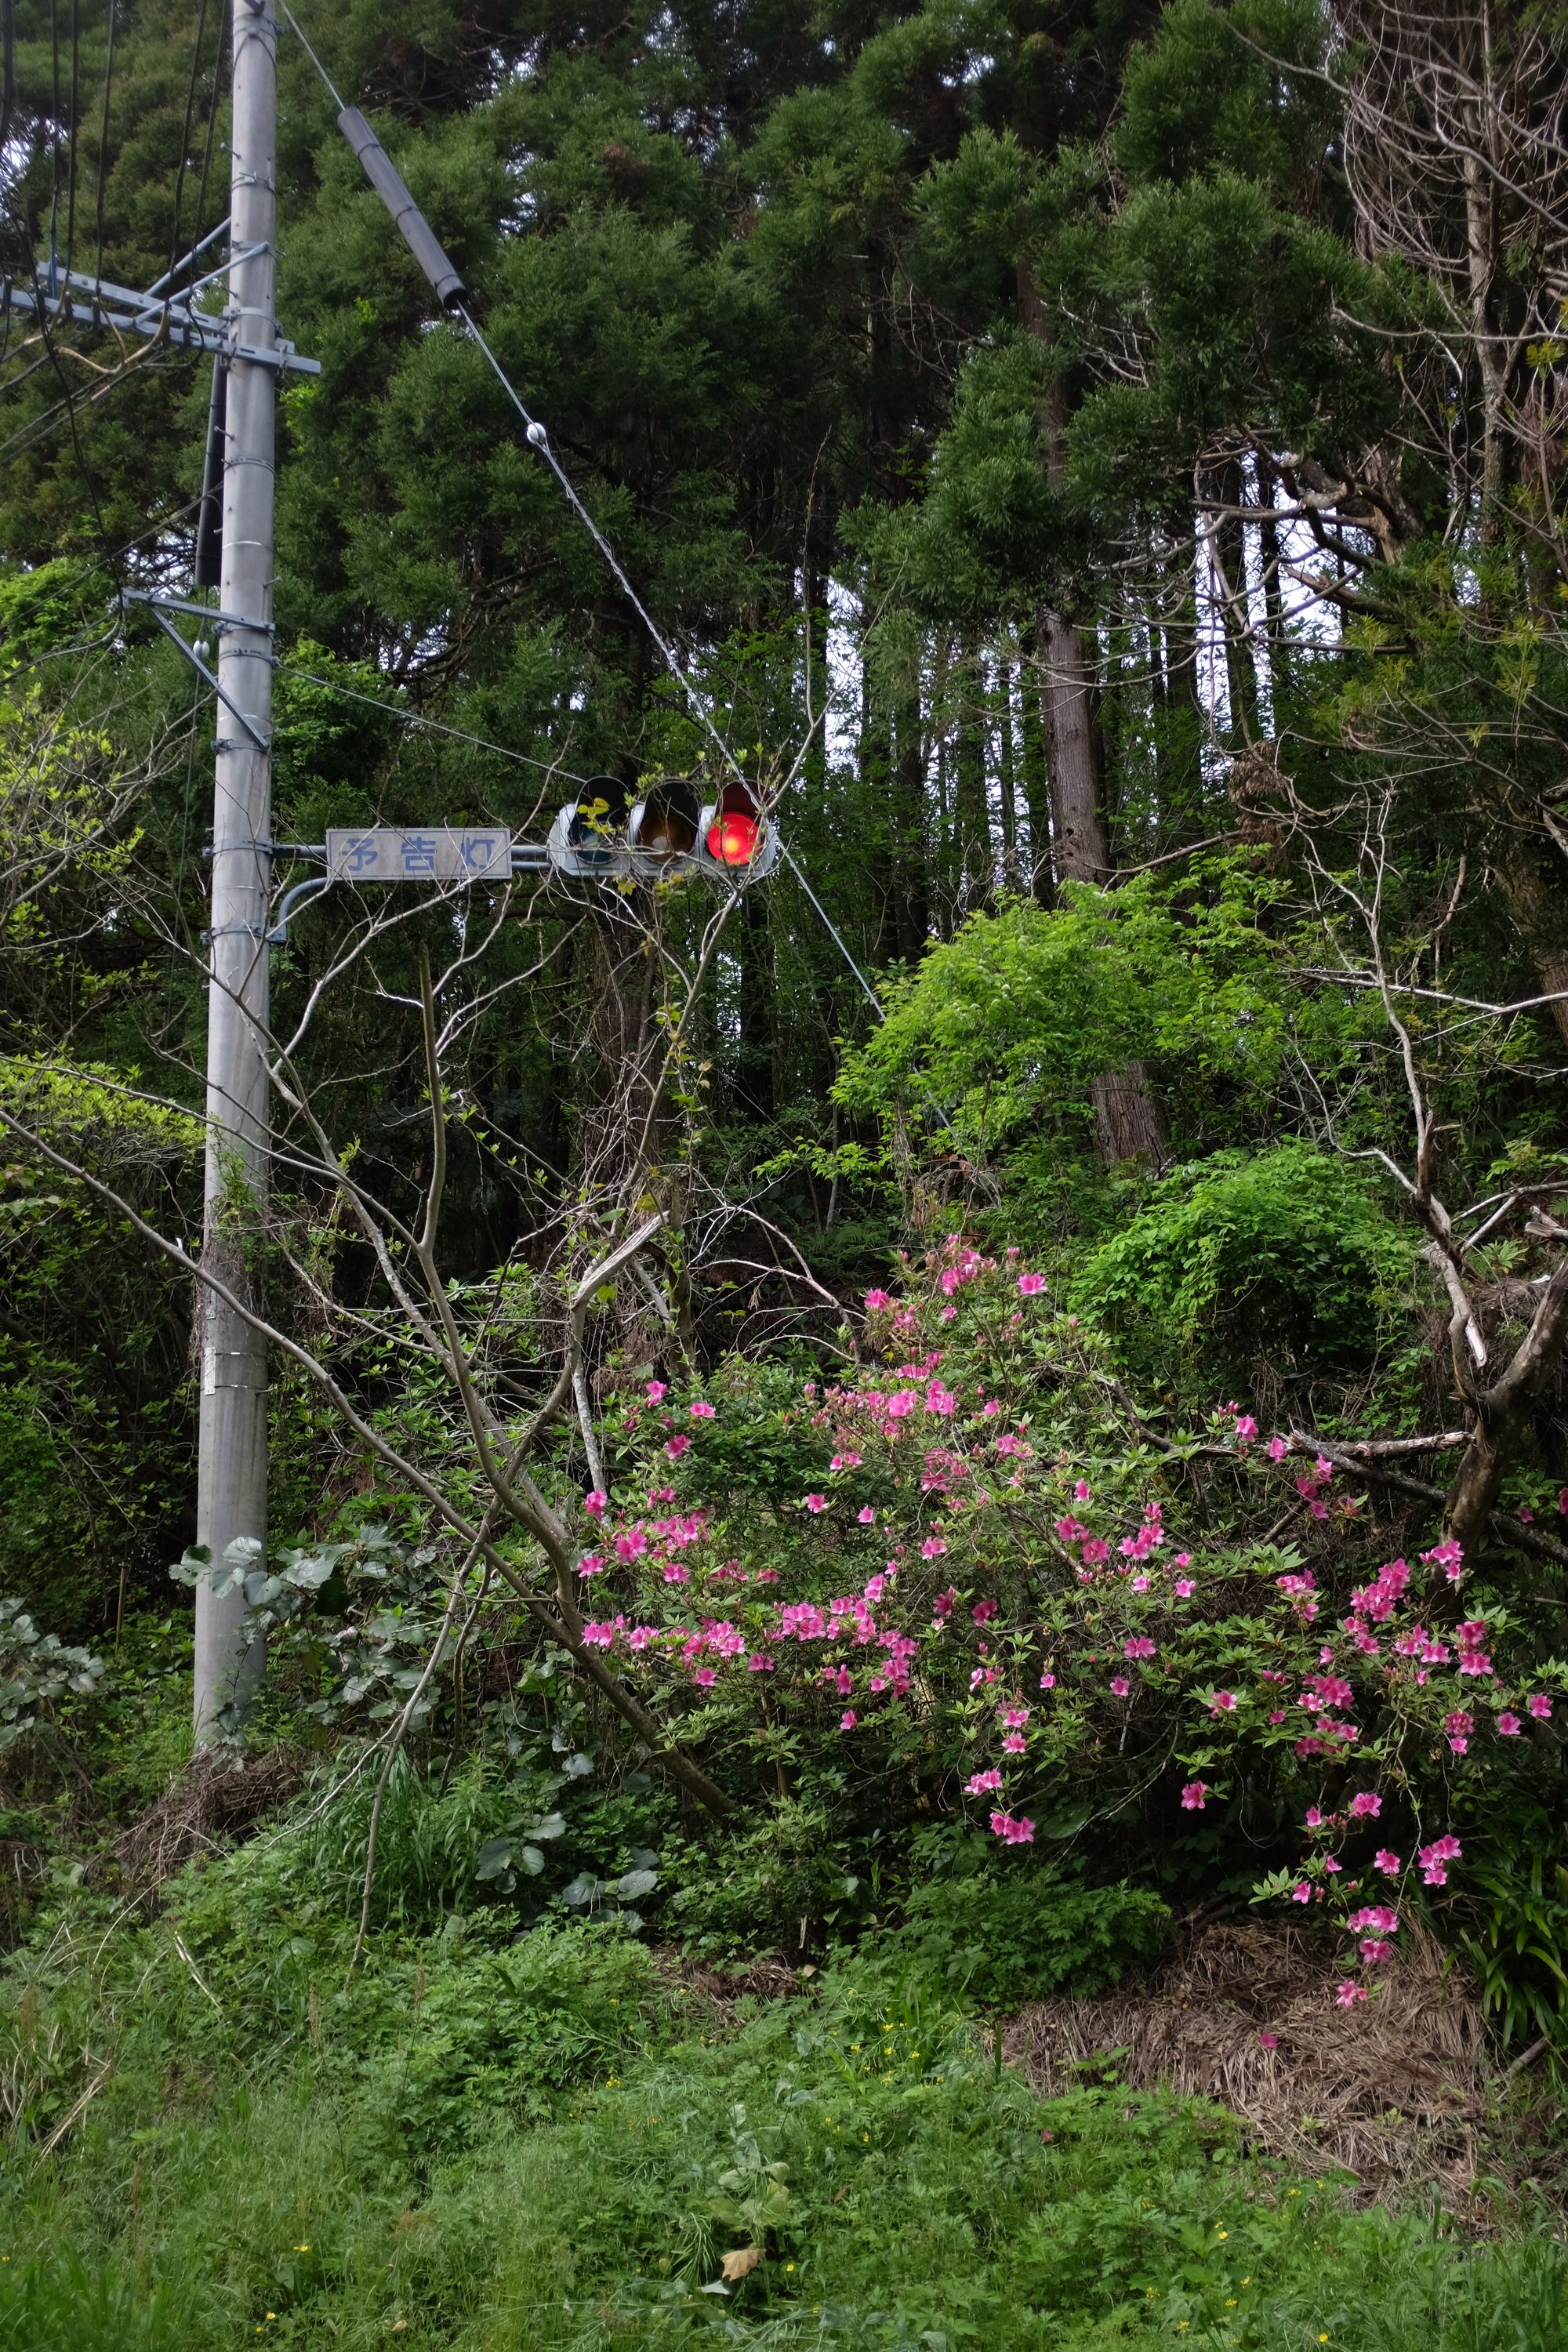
(419, 854)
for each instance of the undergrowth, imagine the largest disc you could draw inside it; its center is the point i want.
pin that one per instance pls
(489, 2143)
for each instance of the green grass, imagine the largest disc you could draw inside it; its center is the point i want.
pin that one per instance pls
(376, 2179)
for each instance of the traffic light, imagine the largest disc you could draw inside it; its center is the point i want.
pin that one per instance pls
(588, 837)
(662, 828)
(737, 839)
(604, 836)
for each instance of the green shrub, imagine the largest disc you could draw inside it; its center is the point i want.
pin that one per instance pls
(1283, 1255)
(1021, 1934)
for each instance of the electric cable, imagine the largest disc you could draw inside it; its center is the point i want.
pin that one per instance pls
(436, 726)
(185, 135)
(70, 168)
(54, 135)
(103, 143)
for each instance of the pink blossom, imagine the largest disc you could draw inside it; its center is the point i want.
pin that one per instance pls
(868, 1517)
(1365, 1805)
(1315, 1817)
(702, 1411)
(1119, 1685)
(1195, 1796)
(590, 1564)
(1081, 1493)
(876, 1300)
(1014, 1718)
(595, 1504)
(1302, 1892)
(1183, 1559)
(1278, 1449)
(1031, 1285)
(676, 1447)
(983, 1613)
(656, 1391)
(1540, 1707)
(1349, 1993)
(1449, 1555)
(900, 1403)
(1138, 1645)
(1183, 1588)
(1048, 1682)
(1246, 1428)
(1508, 1725)
(1270, 2040)
(1375, 1949)
(1020, 1831)
(814, 1503)
(942, 1605)
(1375, 1915)
(981, 1784)
(846, 1720)
(706, 1676)
(1388, 1862)
(1014, 1742)
(1096, 1551)
(1223, 1703)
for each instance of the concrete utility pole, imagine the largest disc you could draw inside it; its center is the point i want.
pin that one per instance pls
(231, 1496)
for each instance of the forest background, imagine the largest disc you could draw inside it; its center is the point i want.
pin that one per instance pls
(980, 1398)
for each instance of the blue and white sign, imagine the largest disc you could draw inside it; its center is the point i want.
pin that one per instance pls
(431, 852)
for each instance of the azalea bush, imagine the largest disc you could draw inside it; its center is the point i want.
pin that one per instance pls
(1003, 1597)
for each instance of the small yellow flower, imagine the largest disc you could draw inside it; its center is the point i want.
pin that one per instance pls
(302, 2249)
(1224, 2234)
(789, 2266)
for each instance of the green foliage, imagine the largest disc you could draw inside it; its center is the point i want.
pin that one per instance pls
(1271, 1264)
(1517, 1950)
(882, 2182)
(1014, 1935)
(1005, 1027)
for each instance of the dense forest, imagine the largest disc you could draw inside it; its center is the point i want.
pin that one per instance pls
(907, 1680)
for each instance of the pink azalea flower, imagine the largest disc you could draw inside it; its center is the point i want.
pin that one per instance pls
(1540, 1707)
(1278, 1449)
(1020, 1831)
(876, 1300)
(983, 1613)
(1081, 1493)
(1195, 1796)
(1031, 1285)
(1119, 1685)
(676, 1447)
(1365, 1805)
(814, 1503)
(932, 1548)
(1302, 1892)
(846, 1720)
(1508, 1725)
(1246, 1428)
(1048, 1682)
(1349, 1993)
(1223, 1703)
(1270, 2040)
(1376, 1951)
(656, 1391)
(702, 1411)
(1183, 1588)
(1014, 1742)
(1138, 1645)
(1387, 1861)
(590, 1564)
(595, 1504)
(868, 1517)
(706, 1676)
(981, 1784)
(1314, 1817)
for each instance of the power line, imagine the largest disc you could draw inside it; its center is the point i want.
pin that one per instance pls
(417, 718)
(103, 140)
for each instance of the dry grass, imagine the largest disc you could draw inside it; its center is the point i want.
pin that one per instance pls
(1394, 2092)
(206, 1809)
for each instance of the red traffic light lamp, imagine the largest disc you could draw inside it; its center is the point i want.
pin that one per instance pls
(733, 838)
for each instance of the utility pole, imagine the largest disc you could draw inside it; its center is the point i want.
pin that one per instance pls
(231, 1495)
